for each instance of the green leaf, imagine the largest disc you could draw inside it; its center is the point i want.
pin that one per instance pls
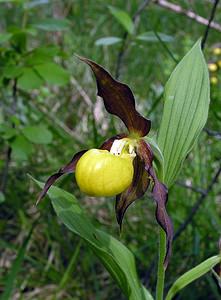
(147, 294)
(48, 51)
(38, 134)
(66, 277)
(53, 73)
(185, 111)
(52, 24)
(123, 18)
(12, 71)
(41, 55)
(29, 31)
(15, 120)
(192, 275)
(29, 80)
(107, 41)
(7, 131)
(2, 197)
(150, 36)
(35, 3)
(4, 37)
(116, 258)
(21, 148)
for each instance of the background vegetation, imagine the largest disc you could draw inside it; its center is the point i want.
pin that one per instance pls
(49, 110)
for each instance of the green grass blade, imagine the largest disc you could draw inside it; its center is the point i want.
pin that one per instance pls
(70, 267)
(16, 267)
(123, 18)
(192, 275)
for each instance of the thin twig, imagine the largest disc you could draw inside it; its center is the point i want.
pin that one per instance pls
(212, 15)
(197, 205)
(190, 14)
(165, 47)
(124, 45)
(82, 92)
(140, 10)
(192, 188)
(213, 133)
(56, 121)
(121, 55)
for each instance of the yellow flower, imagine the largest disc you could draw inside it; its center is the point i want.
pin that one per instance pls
(212, 67)
(214, 80)
(217, 51)
(103, 173)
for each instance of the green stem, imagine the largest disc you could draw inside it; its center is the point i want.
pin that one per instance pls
(25, 17)
(161, 270)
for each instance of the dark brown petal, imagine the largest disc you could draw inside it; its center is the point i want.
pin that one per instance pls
(160, 195)
(108, 143)
(136, 190)
(119, 100)
(146, 154)
(68, 168)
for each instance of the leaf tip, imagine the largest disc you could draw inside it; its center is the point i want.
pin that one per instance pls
(38, 200)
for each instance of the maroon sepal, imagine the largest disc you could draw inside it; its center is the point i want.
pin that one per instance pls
(68, 168)
(109, 142)
(140, 183)
(135, 191)
(145, 152)
(160, 195)
(118, 100)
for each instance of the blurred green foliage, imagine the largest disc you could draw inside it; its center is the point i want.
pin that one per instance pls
(49, 110)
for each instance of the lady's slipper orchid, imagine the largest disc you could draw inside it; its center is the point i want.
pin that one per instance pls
(123, 165)
(101, 173)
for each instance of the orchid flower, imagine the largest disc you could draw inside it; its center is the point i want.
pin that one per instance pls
(123, 165)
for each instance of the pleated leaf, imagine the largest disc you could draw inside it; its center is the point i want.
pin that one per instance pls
(192, 275)
(185, 111)
(115, 257)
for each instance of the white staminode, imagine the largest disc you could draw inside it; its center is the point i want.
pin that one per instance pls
(119, 145)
